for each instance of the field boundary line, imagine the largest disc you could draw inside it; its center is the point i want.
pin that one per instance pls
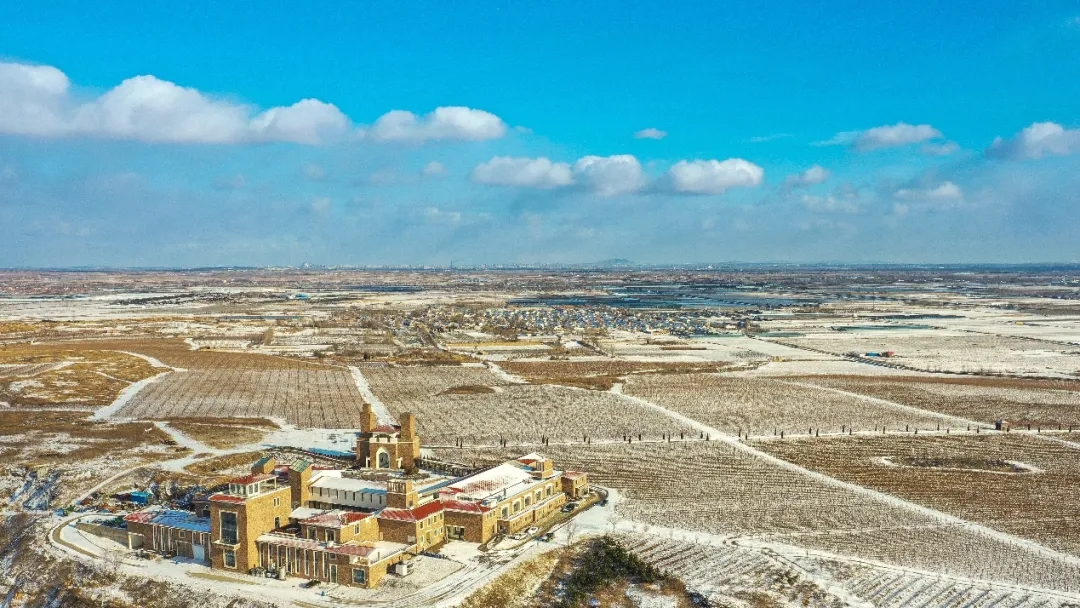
(126, 396)
(890, 404)
(882, 497)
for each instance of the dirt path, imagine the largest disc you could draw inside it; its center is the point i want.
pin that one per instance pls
(881, 497)
(382, 413)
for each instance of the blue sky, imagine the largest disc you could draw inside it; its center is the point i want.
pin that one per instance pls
(341, 133)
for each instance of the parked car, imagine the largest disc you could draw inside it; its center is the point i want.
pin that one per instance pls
(519, 536)
(603, 502)
(532, 530)
(568, 507)
(547, 537)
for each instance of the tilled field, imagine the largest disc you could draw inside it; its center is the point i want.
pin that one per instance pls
(1039, 403)
(766, 406)
(1018, 484)
(305, 396)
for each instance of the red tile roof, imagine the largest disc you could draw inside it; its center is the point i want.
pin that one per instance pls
(227, 498)
(463, 506)
(573, 474)
(411, 514)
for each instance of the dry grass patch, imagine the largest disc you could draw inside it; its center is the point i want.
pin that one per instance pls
(51, 437)
(468, 389)
(222, 468)
(225, 433)
(598, 375)
(514, 589)
(43, 376)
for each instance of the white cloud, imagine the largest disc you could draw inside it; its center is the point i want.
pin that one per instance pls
(611, 175)
(36, 100)
(943, 149)
(814, 175)
(308, 121)
(31, 99)
(321, 205)
(433, 169)
(943, 193)
(650, 133)
(713, 176)
(446, 123)
(887, 136)
(829, 204)
(1036, 141)
(522, 172)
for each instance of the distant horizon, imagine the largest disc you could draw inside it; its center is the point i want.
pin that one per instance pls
(601, 265)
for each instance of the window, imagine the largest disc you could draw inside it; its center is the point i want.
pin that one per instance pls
(228, 528)
(359, 577)
(277, 522)
(329, 536)
(528, 500)
(356, 529)
(229, 558)
(505, 512)
(277, 502)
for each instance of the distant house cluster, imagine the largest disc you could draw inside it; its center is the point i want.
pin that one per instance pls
(353, 526)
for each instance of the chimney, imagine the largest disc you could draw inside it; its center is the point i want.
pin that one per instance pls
(300, 483)
(367, 419)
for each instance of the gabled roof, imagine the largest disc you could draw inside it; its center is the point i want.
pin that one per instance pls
(411, 514)
(530, 458)
(464, 507)
(386, 428)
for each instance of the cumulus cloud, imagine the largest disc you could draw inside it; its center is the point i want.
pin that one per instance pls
(945, 192)
(433, 169)
(1036, 141)
(887, 136)
(446, 123)
(611, 175)
(36, 101)
(943, 149)
(814, 175)
(523, 172)
(650, 133)
(713, 176)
